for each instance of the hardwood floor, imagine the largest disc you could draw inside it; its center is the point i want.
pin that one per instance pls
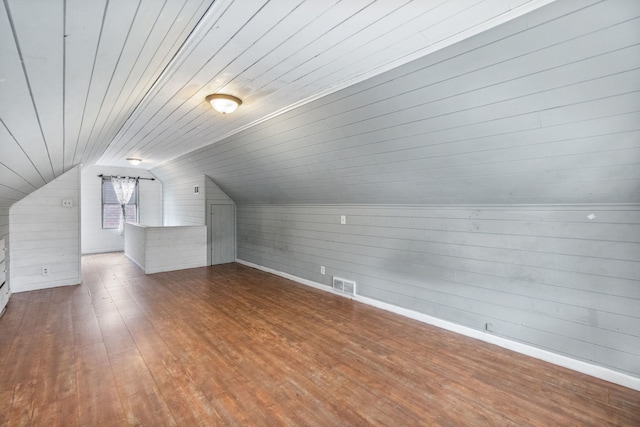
(230, 345)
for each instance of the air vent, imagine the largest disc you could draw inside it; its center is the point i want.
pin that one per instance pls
(344, 285)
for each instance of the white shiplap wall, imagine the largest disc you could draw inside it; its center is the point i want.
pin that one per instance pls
(157, 249)
(214, 194)
(184, 207)
(135, 244)
(181, 206)
(44, 233)
(95, 239)
(175, 248)
(547, 276)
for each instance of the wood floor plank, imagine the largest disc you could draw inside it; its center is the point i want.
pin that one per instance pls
(141, 399)
(6, 401)
(230, 345)
(98, 399)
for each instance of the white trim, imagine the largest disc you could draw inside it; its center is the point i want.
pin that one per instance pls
(46, 285)
(102, 251)
(300, 280)
(454, 206)
(79, 217)
(135, 262)
(537, 353)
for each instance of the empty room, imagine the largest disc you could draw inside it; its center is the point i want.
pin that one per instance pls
(320, 213)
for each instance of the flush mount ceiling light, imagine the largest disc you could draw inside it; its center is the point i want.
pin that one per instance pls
(224, 104)
(134, 162)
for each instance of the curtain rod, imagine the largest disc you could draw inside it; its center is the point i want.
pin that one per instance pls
(103, 176)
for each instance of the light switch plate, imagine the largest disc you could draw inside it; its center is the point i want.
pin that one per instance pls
(343, 219)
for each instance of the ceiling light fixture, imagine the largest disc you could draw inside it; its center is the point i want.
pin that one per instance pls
(224, 104)
(134, 162)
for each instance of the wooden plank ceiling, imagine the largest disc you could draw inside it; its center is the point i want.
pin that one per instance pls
(95, 82)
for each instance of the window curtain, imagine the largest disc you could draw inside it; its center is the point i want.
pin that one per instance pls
(124, 189)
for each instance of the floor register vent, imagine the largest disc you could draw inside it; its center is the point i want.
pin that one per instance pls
(344, 285)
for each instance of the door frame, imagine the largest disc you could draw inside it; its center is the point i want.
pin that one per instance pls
(210, 229)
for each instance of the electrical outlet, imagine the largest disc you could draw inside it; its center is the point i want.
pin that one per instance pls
(45, 270)
(343, 219)
(322, 269)
(67, 203)
(488, 327)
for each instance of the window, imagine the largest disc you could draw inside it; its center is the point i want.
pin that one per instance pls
(111, 206)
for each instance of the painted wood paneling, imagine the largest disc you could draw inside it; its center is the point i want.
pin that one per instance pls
(72, 74)
(114, 53)
(545, 112)
(214, 194)
(4, 223)
(158, 249)
(150, 201)
(95, 239)
(279, 54)
(180, 204)
(135, 244)
(562, 278)
(44, 233)
(176, 249)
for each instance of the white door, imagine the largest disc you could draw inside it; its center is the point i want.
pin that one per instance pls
(223, 234)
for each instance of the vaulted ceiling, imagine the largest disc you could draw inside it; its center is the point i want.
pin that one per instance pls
(543, 109)
(95, 82)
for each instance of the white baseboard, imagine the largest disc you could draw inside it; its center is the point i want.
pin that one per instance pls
(102, 251)
(135, 262)
(537, 353)
(45, 285)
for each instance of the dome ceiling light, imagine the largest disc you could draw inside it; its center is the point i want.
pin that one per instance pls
(224, 104)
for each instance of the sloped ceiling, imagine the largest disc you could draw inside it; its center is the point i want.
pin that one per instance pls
(542, 109)
(95, 82)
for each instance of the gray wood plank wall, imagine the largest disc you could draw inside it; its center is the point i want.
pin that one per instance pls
(547, 276)
(4, 223)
